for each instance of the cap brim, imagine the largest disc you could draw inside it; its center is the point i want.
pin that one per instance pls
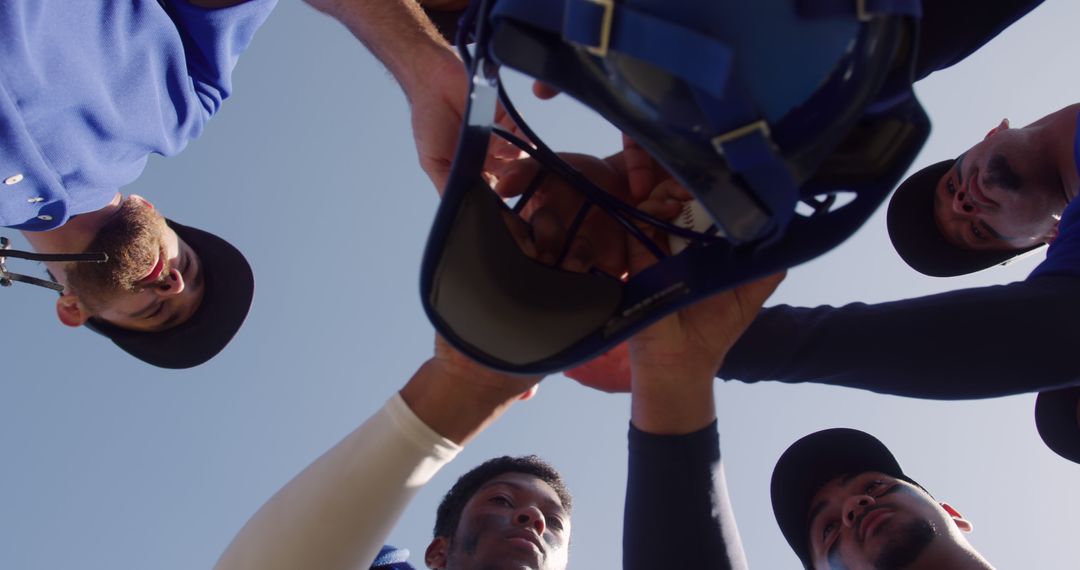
(813, 461)
(915, 234)
(1058, 421)
(229, 286)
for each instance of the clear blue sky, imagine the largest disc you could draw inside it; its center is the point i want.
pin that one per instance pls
(109, 463)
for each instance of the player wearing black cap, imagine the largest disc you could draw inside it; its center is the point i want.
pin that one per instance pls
(842, 501)
(1010, 193)
(89, 91)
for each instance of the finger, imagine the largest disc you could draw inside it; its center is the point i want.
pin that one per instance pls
(754, 294)
(519, 230)
(504, 120)
(543, 90)
(582, 255)
(529, 393)
(548, 235)
(606, 241)
(663, 208)
(609, 372)
(515, 177)
(502, 149)
(643, 172)
(665, 203)
(670, 189)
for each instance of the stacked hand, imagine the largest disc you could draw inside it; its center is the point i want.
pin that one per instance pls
(688, 343)
(438, 109)
(552, 208)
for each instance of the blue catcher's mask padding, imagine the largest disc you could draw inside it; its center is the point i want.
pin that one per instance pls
(753, 106)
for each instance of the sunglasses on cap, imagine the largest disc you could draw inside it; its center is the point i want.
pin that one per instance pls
(498, 302)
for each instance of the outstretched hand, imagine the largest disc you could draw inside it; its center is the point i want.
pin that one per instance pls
(458, 398)
(689, 343)
(551, 211)
(694, 340)
(473, 376)
(438, 109)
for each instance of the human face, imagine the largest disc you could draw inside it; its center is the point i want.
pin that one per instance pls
(514, 521)
(873, 521)
(154, 279)
(1005, 193)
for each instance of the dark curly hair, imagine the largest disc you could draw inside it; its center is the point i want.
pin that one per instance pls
(448, 515)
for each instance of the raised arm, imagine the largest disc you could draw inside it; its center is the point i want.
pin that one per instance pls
(405, 40)
(675, 473)
(337, 513)
(973, 343)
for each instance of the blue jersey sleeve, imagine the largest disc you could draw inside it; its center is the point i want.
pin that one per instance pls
(213, 41)
(1063, 256)
(678, 514)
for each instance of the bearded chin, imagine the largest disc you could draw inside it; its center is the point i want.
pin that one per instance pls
(132, 239)
(907, 544)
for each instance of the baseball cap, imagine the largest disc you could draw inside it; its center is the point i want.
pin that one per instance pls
(228, 289)
(915, 234)
(1058, 421)
(813, 461)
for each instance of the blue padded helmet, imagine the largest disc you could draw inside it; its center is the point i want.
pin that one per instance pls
(755, 107)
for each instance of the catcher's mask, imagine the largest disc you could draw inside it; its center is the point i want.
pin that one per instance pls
(764, 110)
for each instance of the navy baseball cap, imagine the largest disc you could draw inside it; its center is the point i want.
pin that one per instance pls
(1057, 417)
(915, 234)
(229, 286)
(810, 463)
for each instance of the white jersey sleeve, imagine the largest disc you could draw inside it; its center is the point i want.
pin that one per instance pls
(336, 514)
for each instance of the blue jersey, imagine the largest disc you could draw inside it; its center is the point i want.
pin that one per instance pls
(1063, 256)
(89, 89)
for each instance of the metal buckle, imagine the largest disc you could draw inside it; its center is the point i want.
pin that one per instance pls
(605, 28)
(861, 12)
(719, 141)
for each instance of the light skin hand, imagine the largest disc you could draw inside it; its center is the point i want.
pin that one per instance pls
(438, 109)
(434, 80)
(458, 398)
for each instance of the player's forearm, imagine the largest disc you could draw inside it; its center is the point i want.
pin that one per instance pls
(336, 514)
(947, 346)
(671, 403)
(678, 479)
(397, 32)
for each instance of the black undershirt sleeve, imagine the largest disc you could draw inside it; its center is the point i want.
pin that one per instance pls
(972, 343)
(678, 514)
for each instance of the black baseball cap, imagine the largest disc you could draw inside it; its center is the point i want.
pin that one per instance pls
(1057, 418)
(229, 286)
(812, 462)
(915, 234)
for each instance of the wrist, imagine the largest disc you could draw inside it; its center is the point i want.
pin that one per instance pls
(414, 71)
(456, 406)
(666, 402)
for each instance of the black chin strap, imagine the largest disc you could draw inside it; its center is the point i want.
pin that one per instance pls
(7, 278)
